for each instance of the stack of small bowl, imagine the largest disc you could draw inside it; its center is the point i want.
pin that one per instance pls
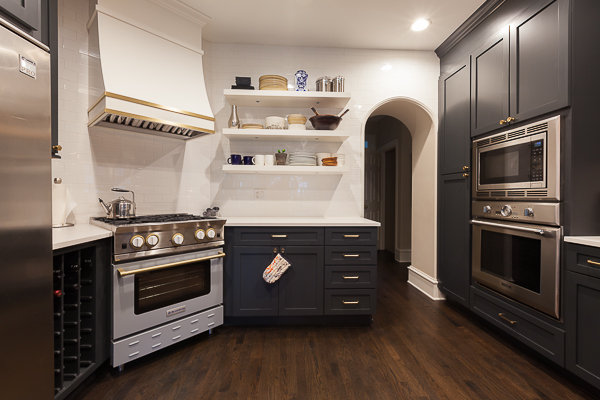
(296, 122)
(330, 162)
(272, 82)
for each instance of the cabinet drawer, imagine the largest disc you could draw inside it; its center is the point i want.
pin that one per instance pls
(350, 277)
(583, 259)
(350, 301)
(350, 255)
(138, 346)
(540, 336)
(349, 236)
(278, 236)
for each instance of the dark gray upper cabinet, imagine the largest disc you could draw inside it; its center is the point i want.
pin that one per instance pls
(27, 12)
(454, 272)
(454, 137)
(489, 88)
(583, 326)
(253, 296)
(301, 286)
(539, 60)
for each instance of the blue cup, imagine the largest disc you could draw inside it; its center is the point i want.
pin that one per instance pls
(235, 159)
(248, 160)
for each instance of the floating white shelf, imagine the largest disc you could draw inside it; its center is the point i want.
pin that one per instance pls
(284, 170)
(286, 99)
(287, 135)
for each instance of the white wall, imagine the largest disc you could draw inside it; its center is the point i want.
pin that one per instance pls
(169, 175)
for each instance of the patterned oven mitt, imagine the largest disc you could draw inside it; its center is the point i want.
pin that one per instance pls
(276, 269)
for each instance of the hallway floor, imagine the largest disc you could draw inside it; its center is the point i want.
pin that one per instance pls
(415, 349)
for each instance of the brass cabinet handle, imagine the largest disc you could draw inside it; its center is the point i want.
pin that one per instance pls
(502, 122)
(349, 277)
(501, 315)
(350, 302)
(465, 168)
(465, 175)
(593, 262)
(351, 255)
(510, 119)
(57, 147)
(278, 236)
(122, 272)
(351, 236)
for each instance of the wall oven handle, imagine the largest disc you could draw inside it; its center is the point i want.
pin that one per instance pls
(122, 272)
(516, 228)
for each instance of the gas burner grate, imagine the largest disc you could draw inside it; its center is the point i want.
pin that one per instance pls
(148, 219)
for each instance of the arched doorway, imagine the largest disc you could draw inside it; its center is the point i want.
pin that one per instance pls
(422, 125)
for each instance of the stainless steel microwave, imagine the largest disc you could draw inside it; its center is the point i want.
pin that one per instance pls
(522, 163)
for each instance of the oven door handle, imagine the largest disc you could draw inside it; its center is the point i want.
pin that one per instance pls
(122, 272)
(516, 228)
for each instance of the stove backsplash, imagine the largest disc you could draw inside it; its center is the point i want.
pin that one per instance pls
(171, 176)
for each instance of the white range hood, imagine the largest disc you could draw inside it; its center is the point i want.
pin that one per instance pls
(143, 80)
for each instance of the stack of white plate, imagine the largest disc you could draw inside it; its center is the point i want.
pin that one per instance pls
(302, 159)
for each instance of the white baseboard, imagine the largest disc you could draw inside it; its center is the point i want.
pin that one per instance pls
(402, 255)
(424, 283)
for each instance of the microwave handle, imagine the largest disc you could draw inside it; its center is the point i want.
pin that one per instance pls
(516, 228)
(122, 272)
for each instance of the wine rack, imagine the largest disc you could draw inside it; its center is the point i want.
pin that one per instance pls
(80, 316)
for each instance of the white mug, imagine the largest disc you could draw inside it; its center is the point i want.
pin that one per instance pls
(269, 159)
(259, 159)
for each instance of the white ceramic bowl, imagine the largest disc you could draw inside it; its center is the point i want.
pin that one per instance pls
(297, 127)
(275, 122)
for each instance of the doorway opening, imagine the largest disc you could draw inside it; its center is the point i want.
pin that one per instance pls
(388, 185)
(421, 124)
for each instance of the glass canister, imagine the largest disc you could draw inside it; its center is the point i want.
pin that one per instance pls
(338, 83)
(324, 84)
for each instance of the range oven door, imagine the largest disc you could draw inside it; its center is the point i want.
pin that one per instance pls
(160, 290)
(520, 261)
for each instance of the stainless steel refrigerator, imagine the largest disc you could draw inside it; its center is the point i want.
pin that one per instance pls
(26, 319)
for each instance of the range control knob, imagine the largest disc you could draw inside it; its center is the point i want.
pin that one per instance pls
(528, 212)
(137, 241)
(152, 240)
(506, 211)
(200, 234)
(177, 239)
(211, 233)
(487, 209)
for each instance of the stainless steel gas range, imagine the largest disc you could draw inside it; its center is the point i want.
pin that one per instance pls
(167, 281)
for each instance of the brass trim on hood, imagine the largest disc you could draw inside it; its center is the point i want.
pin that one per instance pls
(144, 118)
(149, 104)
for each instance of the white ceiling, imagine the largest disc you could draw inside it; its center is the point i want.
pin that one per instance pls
(375, 24)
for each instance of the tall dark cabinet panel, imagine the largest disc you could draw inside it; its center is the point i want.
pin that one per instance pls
(253, 296)
(454, 138)
(583, 326)
(539, 60)
(454, 272)
(490, 84)
(301, 286)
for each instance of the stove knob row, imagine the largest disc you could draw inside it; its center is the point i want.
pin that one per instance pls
(200, 234)
(211, 233)
(152, 240)
(177, 239)
(137, 241)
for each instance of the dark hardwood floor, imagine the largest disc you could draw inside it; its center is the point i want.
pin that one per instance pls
(415, 349)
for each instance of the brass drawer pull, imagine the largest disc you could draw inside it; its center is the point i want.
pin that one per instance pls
(349, 277)
(278, 236)
(350, 302)
(501, 315)
(351, 236)
(593, 262)
(351, 255)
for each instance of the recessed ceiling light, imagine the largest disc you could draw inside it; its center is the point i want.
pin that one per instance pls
(420, 24)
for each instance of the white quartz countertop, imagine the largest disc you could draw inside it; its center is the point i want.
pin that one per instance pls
(81, 233)
(300, 221)
(585, 240)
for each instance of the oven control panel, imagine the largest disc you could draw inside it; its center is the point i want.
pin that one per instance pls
(532, 212)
